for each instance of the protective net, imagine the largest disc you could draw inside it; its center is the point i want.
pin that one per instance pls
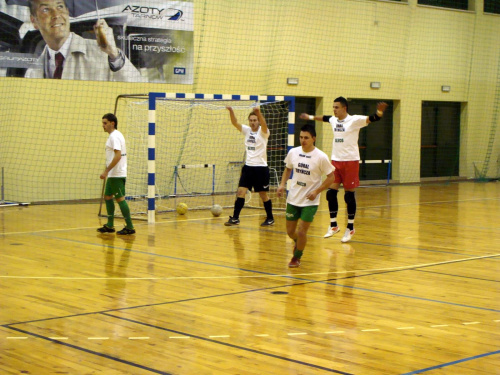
(198, 153)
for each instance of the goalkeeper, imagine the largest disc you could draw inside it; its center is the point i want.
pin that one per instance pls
(255, 172)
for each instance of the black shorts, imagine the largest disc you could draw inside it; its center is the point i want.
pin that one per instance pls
(254, 177)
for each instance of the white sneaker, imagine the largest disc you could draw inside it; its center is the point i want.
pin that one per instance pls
(348, 235)
(331, 232)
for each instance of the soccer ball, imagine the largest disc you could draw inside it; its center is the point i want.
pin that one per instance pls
(182, 208)
(216, 210)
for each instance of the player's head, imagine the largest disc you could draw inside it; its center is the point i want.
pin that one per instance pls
(51, 18)
(307, 137)
(110, 118)
(253, 121)
(340, 107)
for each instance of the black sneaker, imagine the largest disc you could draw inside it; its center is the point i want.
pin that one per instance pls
(126, 230)
(267, 223)
(106, 229)
(232, 221)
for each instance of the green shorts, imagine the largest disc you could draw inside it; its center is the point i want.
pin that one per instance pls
(294, 213)
(115, 186)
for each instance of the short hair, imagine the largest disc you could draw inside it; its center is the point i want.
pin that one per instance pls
(311, 129)
(32, 6)
(111, 118)
(342, 101)
(252, 114)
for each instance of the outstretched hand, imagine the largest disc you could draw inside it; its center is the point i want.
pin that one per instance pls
(304, 116)
(106, 39)
(382, 106)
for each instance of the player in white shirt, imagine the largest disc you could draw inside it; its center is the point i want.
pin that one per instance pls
(116, 175)
(255, 172)
(345, 159)
(308, 165)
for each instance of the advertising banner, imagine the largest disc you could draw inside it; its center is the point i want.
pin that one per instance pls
(114, 40)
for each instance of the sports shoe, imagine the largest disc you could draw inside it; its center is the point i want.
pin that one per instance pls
(331, 232)
(126, 230)
(105, 229)
(348, 235)
(232, 221)
(294, 263)
(267, 222)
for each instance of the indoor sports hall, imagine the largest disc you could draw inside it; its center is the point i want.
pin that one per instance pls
(414, 291)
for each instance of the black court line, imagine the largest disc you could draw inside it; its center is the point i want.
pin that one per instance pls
(92, 352)
(453, 275)
(231, 345)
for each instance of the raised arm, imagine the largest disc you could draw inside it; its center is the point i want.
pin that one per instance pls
(305, 116)
(234, 121)
(262, 120)
(381, 107)
(286, 175)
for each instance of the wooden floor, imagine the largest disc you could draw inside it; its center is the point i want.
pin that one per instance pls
(416, 291)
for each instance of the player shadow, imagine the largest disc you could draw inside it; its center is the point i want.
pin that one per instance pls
(116, 260)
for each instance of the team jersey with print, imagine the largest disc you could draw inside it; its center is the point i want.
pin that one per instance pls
(256, 146)
(116, 141)
(308, 168)
(345, 136)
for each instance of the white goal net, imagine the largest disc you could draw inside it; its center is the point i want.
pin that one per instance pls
(197, 153)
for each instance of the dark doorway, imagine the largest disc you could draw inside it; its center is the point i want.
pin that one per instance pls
(440, 144)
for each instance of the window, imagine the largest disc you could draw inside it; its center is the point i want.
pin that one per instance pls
(455, 4)
(492, 6)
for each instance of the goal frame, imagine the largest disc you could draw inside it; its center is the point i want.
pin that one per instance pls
(152, 98)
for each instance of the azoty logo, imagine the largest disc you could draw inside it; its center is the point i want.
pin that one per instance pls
(169, 14)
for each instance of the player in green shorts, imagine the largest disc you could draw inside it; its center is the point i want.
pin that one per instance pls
(116, 174)
(308, 164)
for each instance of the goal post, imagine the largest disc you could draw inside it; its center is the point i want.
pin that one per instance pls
(183, 148)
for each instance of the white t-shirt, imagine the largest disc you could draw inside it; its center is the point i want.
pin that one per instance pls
(256, 146)
(345, 137)
(307, 167)
(116, 141)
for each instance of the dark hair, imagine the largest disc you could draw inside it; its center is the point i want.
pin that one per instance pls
(310, 129)
(32, 6)
(111, 118)
(342, 101)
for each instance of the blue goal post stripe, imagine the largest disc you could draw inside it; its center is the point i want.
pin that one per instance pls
(153, 96)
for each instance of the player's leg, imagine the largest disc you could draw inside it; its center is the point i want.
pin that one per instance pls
(243, 185)
(262, 187)
(124, 208)
(351, 182)
(292, 218)
(331, 198)
(110, 209)
(306, 218)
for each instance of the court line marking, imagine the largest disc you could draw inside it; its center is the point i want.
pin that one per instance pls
(16, 338)
(93, 352)
(451, 363)
(401, 268)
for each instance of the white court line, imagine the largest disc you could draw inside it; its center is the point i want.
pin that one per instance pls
(138, 338)
(98, 338)
(405, 328)
(439, 325)
(16, 338)
(58, 338)
(262, 335)
(371, 330)
(253, 276)
(179, 337)
(296, 333)
(468, 323)
(332, 332)
(219, 336)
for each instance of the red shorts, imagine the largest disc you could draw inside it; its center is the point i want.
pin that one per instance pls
(347, 173)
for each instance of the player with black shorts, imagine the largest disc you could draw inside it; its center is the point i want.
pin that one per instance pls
(255, 172)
